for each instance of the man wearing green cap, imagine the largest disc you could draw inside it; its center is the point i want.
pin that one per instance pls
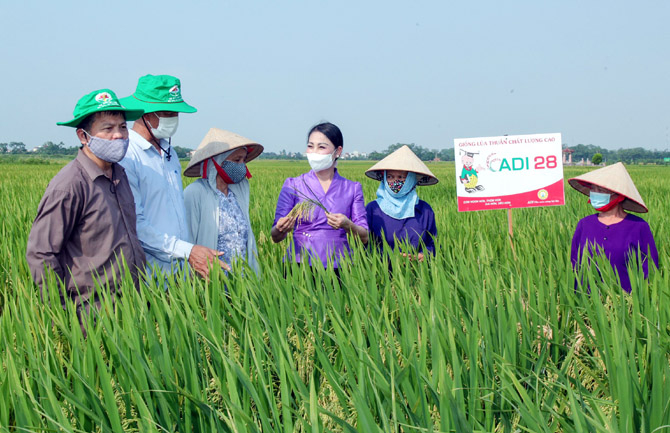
(85, 224)
(154, 173)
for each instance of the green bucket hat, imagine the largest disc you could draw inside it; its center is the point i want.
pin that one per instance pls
(158, 93)
(96, 101)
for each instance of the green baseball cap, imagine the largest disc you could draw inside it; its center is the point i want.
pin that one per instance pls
(96, 101)
(158, 93)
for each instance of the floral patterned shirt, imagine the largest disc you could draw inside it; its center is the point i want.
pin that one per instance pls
(233, 231)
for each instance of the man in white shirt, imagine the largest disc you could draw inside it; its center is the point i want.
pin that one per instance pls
(154, 173)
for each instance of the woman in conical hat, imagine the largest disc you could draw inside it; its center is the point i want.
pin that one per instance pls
(620, 235)
(217, 204)
(398, 214)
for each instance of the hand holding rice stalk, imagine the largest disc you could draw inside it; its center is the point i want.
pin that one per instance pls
(304, 209)
(301, 212)
(335, 220)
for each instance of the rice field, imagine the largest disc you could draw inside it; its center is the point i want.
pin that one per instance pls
(480, 338)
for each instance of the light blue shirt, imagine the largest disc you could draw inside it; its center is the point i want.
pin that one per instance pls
(204, 216)
(159, 203)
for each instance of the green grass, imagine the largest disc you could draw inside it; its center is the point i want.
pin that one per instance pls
(477, 339)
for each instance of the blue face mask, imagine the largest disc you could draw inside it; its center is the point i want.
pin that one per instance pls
(599, 199)
(237, 171)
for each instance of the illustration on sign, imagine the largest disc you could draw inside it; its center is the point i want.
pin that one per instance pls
(469, 175)
(509, 172)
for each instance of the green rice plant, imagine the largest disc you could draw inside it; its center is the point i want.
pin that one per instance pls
(477, 338)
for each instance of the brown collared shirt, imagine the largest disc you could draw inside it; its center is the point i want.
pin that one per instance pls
(85, 224)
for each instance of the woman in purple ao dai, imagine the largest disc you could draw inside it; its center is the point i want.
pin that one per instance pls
(618, 235)
(322, 236)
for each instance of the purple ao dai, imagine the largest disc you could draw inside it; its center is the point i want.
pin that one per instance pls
(619, 242)
(315, 238)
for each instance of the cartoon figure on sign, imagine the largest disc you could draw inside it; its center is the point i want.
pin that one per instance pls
(469, 175)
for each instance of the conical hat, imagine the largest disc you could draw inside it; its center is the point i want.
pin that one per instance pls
(216, 142)
(403, 159)
(615, 178)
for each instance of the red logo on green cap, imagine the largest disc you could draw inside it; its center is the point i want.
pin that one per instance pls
(175, 94)
(104, 99)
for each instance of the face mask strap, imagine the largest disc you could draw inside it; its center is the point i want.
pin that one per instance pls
(89, 135)
(204, 170)
(146, 125)
(168, 156)
(620, 198)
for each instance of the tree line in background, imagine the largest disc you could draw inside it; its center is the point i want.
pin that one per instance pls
(627, 156)
(580, 151)
(59, 149)
(423, 153)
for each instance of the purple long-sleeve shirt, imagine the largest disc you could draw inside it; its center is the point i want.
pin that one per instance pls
(417, 230)
(618, 241)
(315, 236)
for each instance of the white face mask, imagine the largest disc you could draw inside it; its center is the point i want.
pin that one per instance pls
(167, 126)
(320, 162)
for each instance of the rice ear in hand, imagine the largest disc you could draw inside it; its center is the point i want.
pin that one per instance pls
(302, 211)
(313, 200)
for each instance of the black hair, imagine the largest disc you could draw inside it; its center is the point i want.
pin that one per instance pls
(329, 130)
(88, 121)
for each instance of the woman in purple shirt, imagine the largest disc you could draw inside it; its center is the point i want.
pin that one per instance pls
(398, 216)
(618, 235)
(323, 234)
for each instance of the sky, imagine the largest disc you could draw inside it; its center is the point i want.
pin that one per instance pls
(385, 72)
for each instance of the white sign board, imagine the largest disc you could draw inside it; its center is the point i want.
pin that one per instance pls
(509, 171)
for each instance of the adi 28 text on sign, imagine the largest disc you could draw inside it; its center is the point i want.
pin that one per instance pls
(509, 172)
